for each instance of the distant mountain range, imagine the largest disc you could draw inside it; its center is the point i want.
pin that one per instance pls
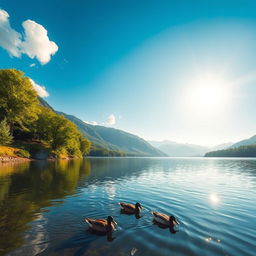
(110, 141)
(175, 149)
(243, 148)
(246, 142)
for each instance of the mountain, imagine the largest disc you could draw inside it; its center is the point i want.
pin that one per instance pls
(243, 148)
(221, 146)
(246, 142)
(110, 141)
(175, 149)
(114, 139)
(45, 104)
(241, 151)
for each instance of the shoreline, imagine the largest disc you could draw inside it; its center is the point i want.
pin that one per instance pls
(8, 159)
(16, 159)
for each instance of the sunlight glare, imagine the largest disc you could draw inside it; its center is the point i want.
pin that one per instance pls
(206, 95)
(208, 239)
(214, 198)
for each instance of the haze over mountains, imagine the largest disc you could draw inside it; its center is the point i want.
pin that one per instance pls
(175, 149)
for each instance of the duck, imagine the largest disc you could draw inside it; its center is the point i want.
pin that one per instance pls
(102, 225)
(164, 219)
(130, 208)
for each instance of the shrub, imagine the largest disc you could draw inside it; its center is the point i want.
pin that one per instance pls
(22, 153)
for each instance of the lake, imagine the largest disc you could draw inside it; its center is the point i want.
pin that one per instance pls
(43, 206)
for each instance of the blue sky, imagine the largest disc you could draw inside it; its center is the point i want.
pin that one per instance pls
(178, 70)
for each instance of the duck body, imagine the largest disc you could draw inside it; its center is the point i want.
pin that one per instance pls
(130, 208)
(102, 225)
(164, 219)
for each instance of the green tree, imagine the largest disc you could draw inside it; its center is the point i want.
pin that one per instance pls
(61, 134)
(42, 127)
(5, 135)
(18, 100)
(85, 145)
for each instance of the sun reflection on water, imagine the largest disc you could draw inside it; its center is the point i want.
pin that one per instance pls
(214, 198)
(208, 239)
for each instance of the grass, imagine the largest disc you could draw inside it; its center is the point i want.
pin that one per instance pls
(8, 151)
(30, 149)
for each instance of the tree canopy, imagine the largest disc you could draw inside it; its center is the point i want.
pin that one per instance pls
(60, 133)
(18, 99)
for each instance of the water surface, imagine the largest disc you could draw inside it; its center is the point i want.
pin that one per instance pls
(43, 204)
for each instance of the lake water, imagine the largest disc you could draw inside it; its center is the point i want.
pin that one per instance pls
(43, 204)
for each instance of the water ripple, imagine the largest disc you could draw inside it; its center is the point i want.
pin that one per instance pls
(213, 199)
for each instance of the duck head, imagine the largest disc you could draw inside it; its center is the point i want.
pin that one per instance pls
(138, 207)
(110, 220)
(173, 221)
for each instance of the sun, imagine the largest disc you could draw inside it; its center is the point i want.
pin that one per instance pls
(206, 95)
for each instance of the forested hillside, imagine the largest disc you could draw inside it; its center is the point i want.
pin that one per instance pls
(31, 128)
(115, 141)
(242, 151)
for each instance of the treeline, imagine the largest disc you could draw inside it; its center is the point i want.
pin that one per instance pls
(23, 118)
(98, 151)
(242, 151)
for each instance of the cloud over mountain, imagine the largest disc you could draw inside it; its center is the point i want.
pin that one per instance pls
(92, 123)
(111, 120)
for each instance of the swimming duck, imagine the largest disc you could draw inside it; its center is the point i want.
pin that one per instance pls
(165, 219)
(131, 208)
(102, 225)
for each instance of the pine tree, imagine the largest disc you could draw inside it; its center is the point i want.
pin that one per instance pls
(5, 135)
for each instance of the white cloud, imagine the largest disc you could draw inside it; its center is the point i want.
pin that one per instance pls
(35, 42)
(41, 91)
(111, 120)
(32, 65)
(92, 123)
(10, 40)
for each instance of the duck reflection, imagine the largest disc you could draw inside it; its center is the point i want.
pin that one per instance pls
(109, 234)
(171, 229)
(137, 215)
